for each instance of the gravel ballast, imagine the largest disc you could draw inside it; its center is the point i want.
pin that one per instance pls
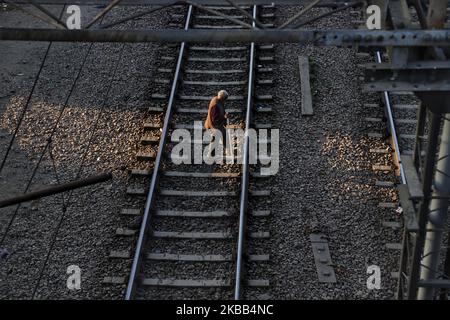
(87, 233)
(325, 183)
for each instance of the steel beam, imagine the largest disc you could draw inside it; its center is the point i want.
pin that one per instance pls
(338, 38)
(415, 76)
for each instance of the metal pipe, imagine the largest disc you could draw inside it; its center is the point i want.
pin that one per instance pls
(155, 176)
(437, 217)
(245, 173)
(56, 189)
(367, 38)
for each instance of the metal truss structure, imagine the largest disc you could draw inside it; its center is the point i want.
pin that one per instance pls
(418, 62)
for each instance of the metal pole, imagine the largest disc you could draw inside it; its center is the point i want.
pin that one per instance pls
(437, 217)
(56, 189)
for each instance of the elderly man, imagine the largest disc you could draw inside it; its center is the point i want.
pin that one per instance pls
(216, 119)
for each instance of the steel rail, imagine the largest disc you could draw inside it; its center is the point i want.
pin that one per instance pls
(392, 129)
(245, 171)
(155, 176)
(387, 104)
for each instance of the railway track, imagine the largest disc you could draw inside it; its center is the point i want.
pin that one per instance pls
(400, 121)
(392, 122)
(195, 240)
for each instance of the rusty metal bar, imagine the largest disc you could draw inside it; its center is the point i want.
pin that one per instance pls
(56, 189)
